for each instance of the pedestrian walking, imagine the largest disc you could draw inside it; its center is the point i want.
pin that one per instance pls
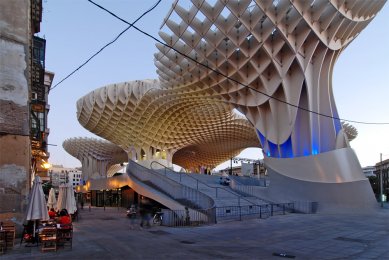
(144, 215)
(132, 215)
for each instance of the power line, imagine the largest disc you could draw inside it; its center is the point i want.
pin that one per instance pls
(231, 79)
(105, 46)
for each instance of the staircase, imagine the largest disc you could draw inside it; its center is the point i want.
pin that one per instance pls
(209, 185)
(231, 204)
(180, 199)
(207, 200)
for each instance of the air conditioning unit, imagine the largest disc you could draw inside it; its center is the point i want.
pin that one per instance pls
(34, 96)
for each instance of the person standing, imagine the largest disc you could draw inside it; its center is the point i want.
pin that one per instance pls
(143, 216)
(187, 217)
(132, 216)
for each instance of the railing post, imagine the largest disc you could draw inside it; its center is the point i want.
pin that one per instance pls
(214, 215)
(180, 176)
(216, 191)
(260, 211)
(271, 209)
(104, 199)
(240, 209)
(197, 184)
(283, 209)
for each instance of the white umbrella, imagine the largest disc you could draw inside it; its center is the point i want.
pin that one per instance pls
(37, 209)
(52, 201)
(66, 199)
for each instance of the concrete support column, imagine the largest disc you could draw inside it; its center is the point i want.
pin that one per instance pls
(324, 178)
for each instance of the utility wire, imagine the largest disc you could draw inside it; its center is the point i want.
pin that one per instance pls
(231, 79)
(105, 46)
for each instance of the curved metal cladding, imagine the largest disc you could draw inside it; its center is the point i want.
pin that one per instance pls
(283, 50)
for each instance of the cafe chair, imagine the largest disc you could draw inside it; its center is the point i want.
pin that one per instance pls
(10, 231)
(48, 239)
(65, 235)
(2, 242)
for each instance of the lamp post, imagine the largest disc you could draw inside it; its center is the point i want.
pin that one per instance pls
(381, 197)
(231, 167)
(258, 164)
(118, 199)
(104, 199)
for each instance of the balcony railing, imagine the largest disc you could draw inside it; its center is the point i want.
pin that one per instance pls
(36, 15)
(38, 51)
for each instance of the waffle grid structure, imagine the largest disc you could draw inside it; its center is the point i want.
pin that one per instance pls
(272, 60)
(142, 119)
(279, 50)
(96, 155)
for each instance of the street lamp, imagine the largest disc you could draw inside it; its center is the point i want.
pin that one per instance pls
(46, 165)
(231, 167)
(117, 198)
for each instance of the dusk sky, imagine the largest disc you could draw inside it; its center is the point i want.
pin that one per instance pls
(76, 29)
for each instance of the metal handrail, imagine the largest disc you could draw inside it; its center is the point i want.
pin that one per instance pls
(198, 181)
(261, 211)
(247, 190)
(239, 182)
(211, 203)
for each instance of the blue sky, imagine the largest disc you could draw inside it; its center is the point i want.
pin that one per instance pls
(75, 29)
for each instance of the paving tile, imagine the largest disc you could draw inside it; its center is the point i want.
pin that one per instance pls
(106, 235)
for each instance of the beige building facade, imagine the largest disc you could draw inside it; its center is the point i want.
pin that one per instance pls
(21, 147)
(16, 29)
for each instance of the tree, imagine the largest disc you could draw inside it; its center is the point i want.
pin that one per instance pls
(46, 187)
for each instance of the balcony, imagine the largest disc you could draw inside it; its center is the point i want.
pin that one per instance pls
(36, 14)
(39, 51)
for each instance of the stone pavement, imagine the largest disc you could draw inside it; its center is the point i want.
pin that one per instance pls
(106, 234)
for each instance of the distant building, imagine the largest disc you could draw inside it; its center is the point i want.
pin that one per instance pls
(369, 171)
(75, 177)
(246, 169)
(236, 170)
(60, 175)
(384, 167)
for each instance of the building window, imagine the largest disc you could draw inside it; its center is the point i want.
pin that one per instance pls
(37, 123)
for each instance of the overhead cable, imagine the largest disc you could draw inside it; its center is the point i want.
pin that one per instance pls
(105, 46)
(231, 79)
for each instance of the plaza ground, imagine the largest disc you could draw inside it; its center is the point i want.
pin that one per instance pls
(106, 234)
